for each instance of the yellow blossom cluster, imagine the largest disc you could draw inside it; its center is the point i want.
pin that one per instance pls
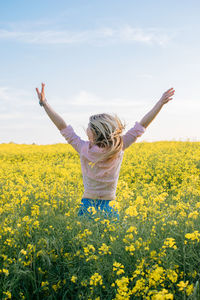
(169, 243)
(45, 244)
(104, 249)
(95, 279)
(193, 236)
(118, 267)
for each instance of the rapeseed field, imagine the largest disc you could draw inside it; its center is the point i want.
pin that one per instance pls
(49, 252)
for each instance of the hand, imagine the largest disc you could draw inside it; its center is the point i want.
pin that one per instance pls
(41, 95)
(166, 96)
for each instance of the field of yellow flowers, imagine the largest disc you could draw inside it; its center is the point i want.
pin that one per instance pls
(151, 252)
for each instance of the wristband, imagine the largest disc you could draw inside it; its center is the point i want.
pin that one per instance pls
(42, 102)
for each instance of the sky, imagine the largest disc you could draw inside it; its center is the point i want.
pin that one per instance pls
(114, 56)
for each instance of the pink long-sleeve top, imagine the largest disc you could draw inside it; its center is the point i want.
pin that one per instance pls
(100, 181)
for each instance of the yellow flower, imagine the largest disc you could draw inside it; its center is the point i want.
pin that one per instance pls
(84, 282)
(170, 243)
(130, 248)
(122, 285)
(163, 295)
(112, 238)
(193, 236)
(197, 205)
(7, 294)
(6, 272)
(88, 249)
(132, 229)
(73, 278)
(193, 215)
(131, 211)
(139, 285)
(120, 271)
(189, 289)
(172, 275)
(182, 285)
(54, 286)
(118, 267)
(156, 275)
(104, 249)
(57, 286)
(44, 283)
(92, 210)
(194, 274)
(96, 279)
(153, 254)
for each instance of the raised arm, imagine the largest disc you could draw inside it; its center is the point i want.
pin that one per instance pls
(148, 118)
(55, 118)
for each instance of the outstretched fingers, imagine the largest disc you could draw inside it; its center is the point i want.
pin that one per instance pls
(42, 91)
(38, 93)
(43, 85)
(169, 93)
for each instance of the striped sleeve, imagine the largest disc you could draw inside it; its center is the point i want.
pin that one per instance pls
(132, 134)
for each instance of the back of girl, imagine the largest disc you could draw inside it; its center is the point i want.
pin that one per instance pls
(101, 156)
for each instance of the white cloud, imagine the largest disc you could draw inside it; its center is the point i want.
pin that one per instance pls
(15, 103)
(125, 33)
(128, 33)
(10, 116)
(13, 99)
(9, 94)
(84, 98)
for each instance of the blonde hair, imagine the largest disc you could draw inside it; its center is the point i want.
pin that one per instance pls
(107, 133)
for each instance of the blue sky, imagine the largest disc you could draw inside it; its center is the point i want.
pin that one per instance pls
(99, 56)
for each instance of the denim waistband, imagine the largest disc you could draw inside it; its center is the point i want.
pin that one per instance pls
(95, 199)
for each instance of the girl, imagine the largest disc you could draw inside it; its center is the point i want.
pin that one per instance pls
(102, 155)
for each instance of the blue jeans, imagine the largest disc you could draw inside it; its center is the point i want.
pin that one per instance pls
(99, 205)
